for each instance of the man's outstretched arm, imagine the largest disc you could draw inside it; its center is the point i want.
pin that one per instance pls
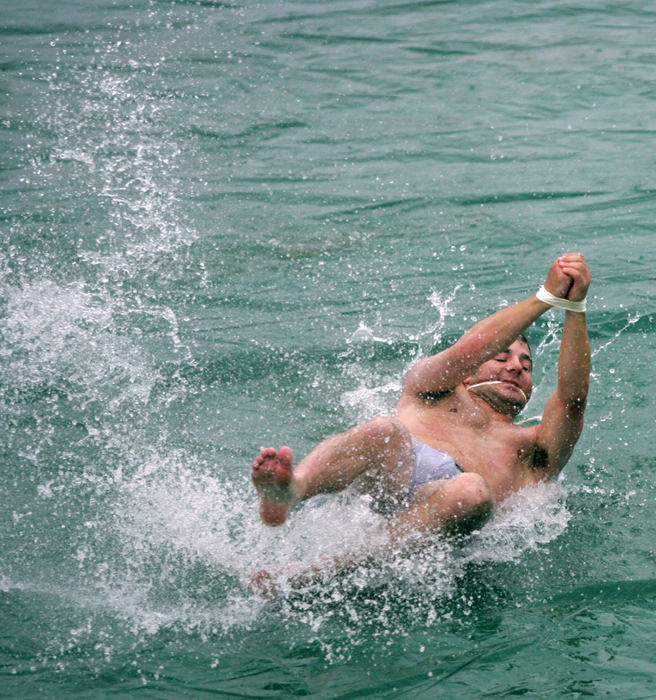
(444, 371)
(562, 421)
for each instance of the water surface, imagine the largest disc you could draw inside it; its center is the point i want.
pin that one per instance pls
(227, 225)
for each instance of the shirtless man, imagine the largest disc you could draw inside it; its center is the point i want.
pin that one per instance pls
(452, 451)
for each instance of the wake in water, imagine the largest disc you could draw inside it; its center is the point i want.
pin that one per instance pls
(180, 546)
(165, 540)
(175, 551)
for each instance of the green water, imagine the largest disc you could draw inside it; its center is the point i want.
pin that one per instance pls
(227, 225)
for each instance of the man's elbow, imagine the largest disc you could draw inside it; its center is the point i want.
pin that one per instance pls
(575, 405)
(573, 400)
(413, 379)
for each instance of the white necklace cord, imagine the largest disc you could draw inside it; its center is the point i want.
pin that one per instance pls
(495, 381)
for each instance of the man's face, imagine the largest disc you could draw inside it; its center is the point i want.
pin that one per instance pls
(513, 367)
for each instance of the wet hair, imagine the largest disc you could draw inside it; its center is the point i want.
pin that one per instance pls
(521, 336)
(524, 339)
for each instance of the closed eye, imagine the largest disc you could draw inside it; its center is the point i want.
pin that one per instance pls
(527, 365)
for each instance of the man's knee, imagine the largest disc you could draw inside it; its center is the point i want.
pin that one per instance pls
(472, 498)
(453, 506)
(384, 432)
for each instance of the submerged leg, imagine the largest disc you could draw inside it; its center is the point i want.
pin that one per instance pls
(379, 450)
(454, 506)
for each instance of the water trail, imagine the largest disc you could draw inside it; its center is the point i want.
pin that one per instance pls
(162, 539)
(631, 320)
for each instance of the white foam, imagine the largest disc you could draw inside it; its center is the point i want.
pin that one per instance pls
(366, 402)
(53, 330)
(525, 521)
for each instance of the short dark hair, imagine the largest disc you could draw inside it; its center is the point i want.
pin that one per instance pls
(521, 336)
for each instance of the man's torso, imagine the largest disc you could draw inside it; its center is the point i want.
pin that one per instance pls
(504, 454)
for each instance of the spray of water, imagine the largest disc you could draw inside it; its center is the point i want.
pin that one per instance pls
(155, 536)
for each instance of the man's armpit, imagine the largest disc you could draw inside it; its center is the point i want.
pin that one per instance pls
(540, 458)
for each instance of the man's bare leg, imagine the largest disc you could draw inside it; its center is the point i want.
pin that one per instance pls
(454, 506)
(379, 450)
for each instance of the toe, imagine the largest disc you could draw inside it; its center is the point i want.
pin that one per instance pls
(285, 456)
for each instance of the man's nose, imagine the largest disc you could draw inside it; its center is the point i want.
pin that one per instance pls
(514, 364)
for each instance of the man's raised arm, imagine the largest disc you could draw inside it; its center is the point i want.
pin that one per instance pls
(562, 421)
(444, 371)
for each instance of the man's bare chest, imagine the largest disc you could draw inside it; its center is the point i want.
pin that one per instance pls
(503, 453)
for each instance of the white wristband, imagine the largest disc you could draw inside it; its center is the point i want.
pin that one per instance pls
(549, 298)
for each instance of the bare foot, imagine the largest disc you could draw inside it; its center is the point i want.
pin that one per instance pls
(272, 476)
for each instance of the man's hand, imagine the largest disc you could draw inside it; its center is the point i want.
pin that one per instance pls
(576, 268)
(569, 277)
